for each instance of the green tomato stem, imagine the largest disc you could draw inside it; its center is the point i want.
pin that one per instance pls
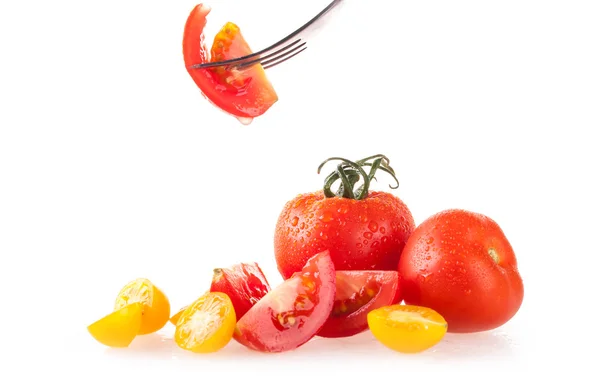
(350, 173)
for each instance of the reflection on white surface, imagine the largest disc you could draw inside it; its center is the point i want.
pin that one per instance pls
(492, 344)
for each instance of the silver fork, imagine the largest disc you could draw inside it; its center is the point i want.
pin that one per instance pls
(280, 51)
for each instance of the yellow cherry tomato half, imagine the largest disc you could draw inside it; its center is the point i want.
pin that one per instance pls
(207, 324)
(407, 328)
(156, 309)
(119, 328)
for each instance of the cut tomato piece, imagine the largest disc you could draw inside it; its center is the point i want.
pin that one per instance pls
(245, 93)
(407, 328)
(244, 283)
(175, 318)
(292, 313)
(206, 325)
(356, 294)
(119, 328)
(156, 308)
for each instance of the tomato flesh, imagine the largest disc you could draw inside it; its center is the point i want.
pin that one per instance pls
(244, 283)
(357, 293)
(292, 313)
(207, 324)
(245, 93)
(407, 328)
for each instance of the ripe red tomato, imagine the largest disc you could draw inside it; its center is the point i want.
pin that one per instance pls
(292, 313)
(356, 294)
(245, 93)
(244, 283)
(362, 229)
(461, 264)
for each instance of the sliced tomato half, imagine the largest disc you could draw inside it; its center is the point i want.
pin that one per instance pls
(245, 93)
(357, 293)
(292, 313)
(244, 283)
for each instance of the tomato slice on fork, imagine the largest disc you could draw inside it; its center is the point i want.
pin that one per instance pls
(244, 93)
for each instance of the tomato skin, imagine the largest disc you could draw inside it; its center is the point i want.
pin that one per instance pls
(252, 101)
(461, 264)
(293, 312)
(367, 234)
(384, 290)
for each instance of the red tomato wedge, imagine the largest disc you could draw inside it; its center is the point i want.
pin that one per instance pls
(246, 93)
(244, 283)
(357, 293)
(292, 313)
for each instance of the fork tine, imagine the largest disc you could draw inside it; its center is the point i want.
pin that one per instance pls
(274, 57)
(255, 57)
(270, 63)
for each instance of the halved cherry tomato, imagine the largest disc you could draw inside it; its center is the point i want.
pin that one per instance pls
(119, 328)
(356, 294)
(244, 283)
(156, 308)
(292, 313)
(245, 93)
(207, 325)
(407, 328)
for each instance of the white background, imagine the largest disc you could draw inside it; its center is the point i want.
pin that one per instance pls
(113, 167)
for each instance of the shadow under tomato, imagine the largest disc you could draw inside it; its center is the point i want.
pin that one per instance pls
(163, 347)
(487, 344)
(454, 346)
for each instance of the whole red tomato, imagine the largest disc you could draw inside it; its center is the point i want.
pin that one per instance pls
(362, 229)
(461, 264)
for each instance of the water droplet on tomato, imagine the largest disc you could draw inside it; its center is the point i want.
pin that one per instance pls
(428, 257)
(302, 225)
(384, 240)
(323, 236)
(382, 230)
(368, 235)
(326, 217)
(294, 221)
(365, 241)
(244, 120)
(373, 226)
(429, 240)
(425, 275)
(343, 209)
(467, 291)
(375, 244)
(363, 219)
(359, 245)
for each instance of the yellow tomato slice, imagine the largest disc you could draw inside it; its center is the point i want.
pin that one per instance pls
(155, 305)
(175, 318)
(206, 325)
(119, 328)
(407, 328)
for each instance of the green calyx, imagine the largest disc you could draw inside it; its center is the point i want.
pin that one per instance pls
(351, 174)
